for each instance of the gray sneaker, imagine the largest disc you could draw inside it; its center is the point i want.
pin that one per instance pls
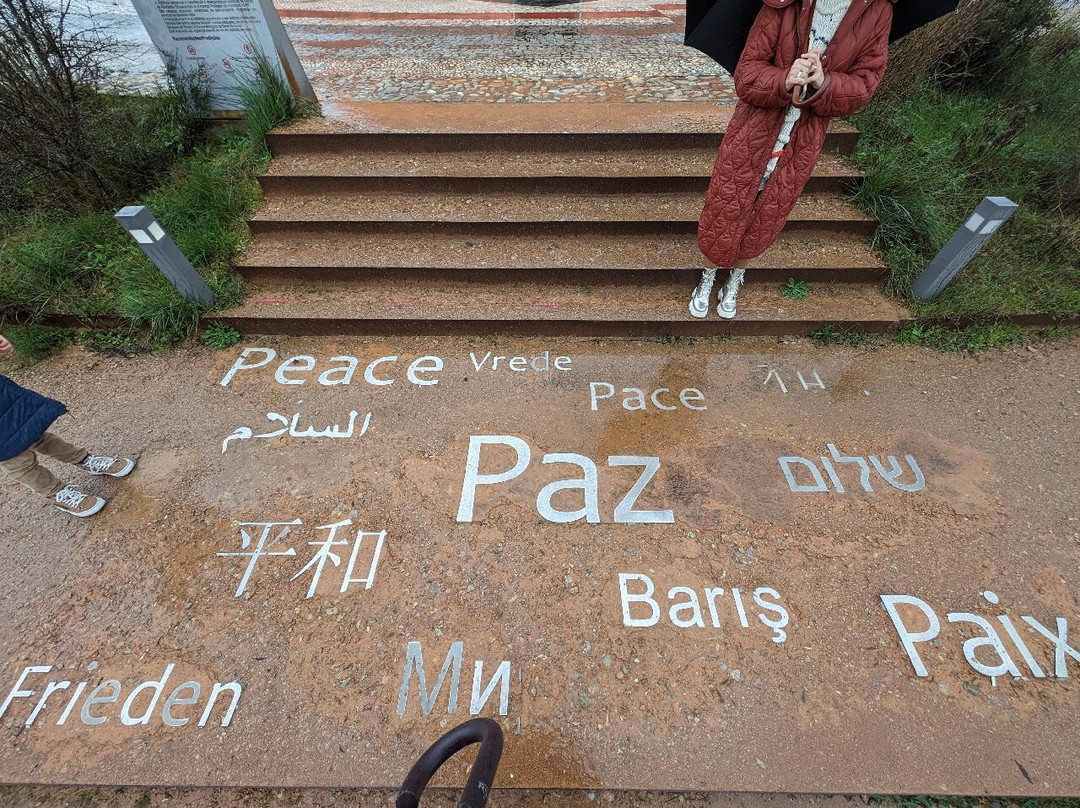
(699, 301)
(112, 466)
(72, 500)
(729, 293)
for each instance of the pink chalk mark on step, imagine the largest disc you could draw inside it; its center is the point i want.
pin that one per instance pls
(419, 303)
(278, 300)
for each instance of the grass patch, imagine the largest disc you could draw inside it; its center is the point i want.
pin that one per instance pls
(110, 343)
(931, 156)
(977, 338)
(829, 335)
(84, 264)
(925, 801)
(33, 343)
(973, 339)
(220, 336)
(795, 290)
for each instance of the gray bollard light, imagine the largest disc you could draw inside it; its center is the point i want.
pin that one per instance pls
(965, 244)
(162, 250)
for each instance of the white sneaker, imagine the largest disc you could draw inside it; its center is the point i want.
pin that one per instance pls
(726, 307)
(112, 466)
(72, 500)
(699, 301)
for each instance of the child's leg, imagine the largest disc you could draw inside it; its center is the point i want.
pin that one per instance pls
(59, 448)
(24, 468)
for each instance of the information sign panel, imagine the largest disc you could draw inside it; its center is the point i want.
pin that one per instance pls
(221, 41)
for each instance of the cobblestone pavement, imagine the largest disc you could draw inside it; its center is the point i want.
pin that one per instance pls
(472, 50)
(485, 50)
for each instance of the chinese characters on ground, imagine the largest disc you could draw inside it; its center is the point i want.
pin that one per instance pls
(270, 535)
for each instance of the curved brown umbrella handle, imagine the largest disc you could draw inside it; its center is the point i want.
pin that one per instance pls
(796, 94)
(483, 731)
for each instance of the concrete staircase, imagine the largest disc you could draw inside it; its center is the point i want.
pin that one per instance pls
(532, 219)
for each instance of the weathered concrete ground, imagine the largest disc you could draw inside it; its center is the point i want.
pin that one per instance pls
(719, 629)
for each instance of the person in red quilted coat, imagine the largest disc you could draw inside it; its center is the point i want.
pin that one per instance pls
(773, 141)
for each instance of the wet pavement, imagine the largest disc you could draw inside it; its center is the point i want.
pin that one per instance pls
(735, 566)
(469, 50)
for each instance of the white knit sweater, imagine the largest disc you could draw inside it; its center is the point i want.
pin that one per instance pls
(827, 17)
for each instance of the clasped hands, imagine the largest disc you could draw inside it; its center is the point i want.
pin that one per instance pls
(806, 72)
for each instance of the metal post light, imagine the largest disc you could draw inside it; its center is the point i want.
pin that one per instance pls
(162, 250)
(965, 244)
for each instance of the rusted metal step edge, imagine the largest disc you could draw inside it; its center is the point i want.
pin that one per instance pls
(437, 299)
(836, 140)
(567, 229)
(545, 165)
(284, 326)
(582, 276)
(608, 117)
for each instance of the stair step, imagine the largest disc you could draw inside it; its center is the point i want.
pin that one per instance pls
(587, 258)
(415, 128)
(609, 117)
(840, 138)
(819, 182)
(436, 306)
(574, 165)
(548, 212)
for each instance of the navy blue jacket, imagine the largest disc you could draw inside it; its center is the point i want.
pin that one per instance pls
(24, 417)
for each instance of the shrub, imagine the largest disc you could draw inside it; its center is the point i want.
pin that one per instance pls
(975, 48)
(66, 143)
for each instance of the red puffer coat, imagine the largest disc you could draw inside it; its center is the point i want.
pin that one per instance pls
(734, 224)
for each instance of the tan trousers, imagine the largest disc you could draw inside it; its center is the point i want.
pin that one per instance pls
(24, 468)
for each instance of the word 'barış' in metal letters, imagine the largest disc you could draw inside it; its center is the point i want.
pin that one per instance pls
(891, 475)
(263, 548)
(686, 610)
(292, 427)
